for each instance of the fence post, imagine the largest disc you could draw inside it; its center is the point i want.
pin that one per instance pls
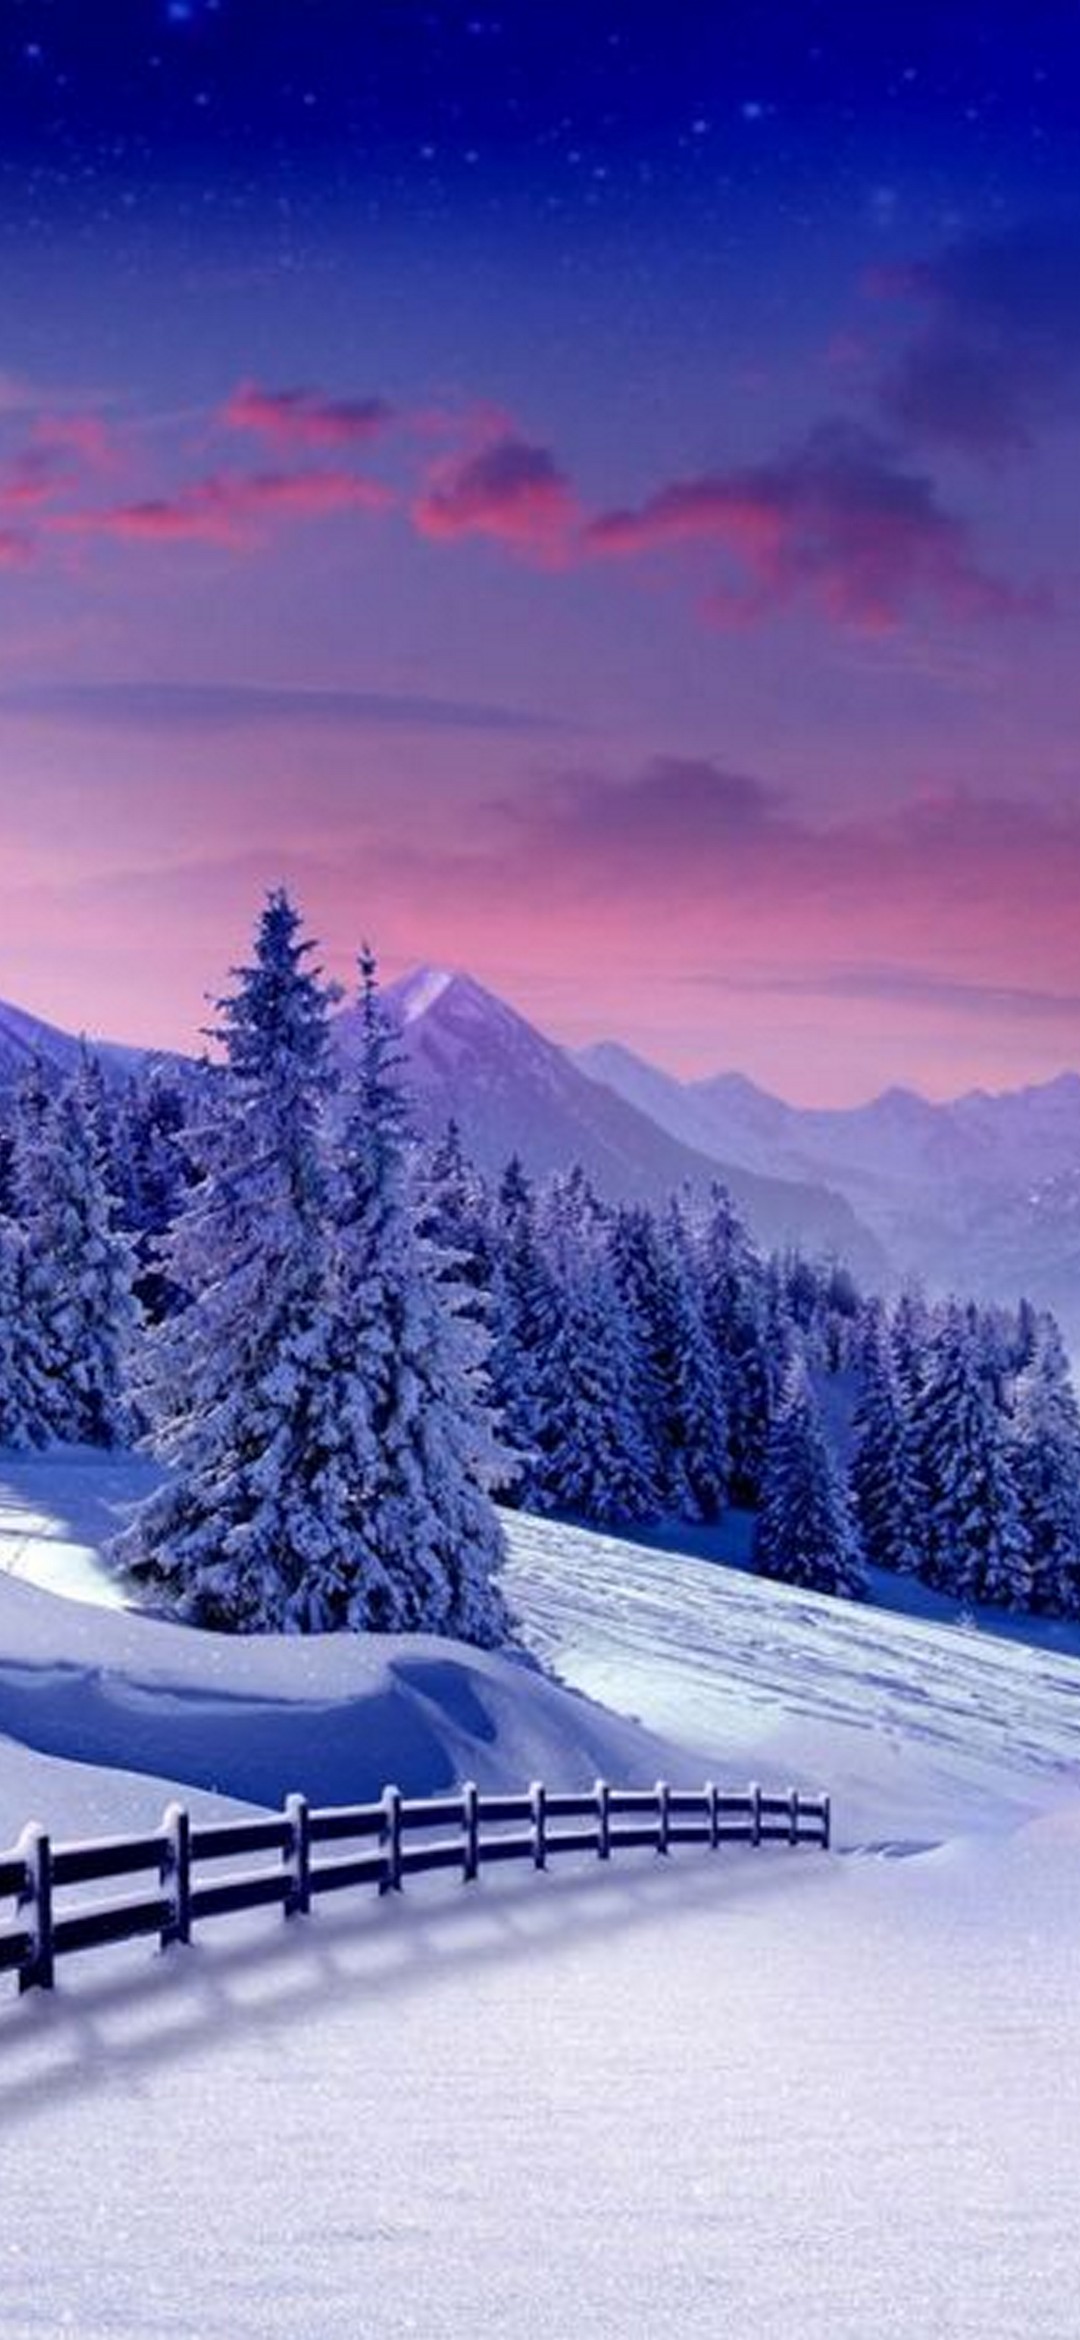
(755, 1812)
(176, 1874)
(826, 1823)
(663, 1816)
(297, 1900)
(538, 1801)
(391, 1834)
(713, 1795)
(793, 1805)
(470, 1859)
(603, 1820)
(34, 1906)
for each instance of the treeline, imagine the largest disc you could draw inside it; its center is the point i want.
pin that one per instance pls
(345, 1345)
(654, 1366)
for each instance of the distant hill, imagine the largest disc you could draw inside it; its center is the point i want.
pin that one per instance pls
(474, 1060)
(25, 1040)
(980, 1192)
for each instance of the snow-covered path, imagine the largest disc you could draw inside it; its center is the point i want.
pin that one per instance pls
(780, 2098)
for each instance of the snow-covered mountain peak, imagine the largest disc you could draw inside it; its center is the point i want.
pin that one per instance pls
(448, 996)
(416, 993)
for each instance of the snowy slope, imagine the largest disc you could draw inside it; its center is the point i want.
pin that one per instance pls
(772, 2095)
(336, 1715)
(920, 1728)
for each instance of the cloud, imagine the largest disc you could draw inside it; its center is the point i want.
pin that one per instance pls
(915, 986)
(180, 706)
(87, 438)
(840, 522)
(16, 548)
(997, 356)
(305, 418)
(509, 490)
(679, 807)
(233, 513)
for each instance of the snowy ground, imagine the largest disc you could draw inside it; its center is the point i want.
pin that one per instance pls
(775, 2096)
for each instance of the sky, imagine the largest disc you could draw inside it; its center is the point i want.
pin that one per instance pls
(586, 494)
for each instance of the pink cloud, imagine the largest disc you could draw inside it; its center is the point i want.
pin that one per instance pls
(839, 523)
(304, 418)
(233, 513)
(86, 437)
(509, 490)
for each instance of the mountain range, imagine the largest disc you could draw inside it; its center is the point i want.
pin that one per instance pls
(981, 1193)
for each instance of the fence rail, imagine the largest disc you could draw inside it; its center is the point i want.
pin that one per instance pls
(44, 1929)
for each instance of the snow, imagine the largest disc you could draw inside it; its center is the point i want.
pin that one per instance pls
(253, 1717)
(920, 1729)
(415, 994)
(776, 2094)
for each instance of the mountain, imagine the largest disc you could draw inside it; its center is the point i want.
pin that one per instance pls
(981, 1192)
(474, 1060)
(25, 1040)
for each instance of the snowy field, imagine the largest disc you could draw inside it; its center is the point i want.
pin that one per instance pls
(776, 2096)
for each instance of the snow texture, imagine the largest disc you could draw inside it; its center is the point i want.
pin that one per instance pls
(776, 2095)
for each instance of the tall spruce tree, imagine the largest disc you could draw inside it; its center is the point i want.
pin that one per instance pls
(977, 1543)
(238, 1384)
(595, 1458)
(1046, 1459)
(427, 1544)
(806, 1532)
(733, 1299)
(71, 1270)
(523, 1310)
(883, 1481)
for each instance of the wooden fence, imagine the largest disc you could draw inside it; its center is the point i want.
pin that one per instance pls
(410, 1836)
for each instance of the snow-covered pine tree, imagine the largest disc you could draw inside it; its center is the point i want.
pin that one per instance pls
(455, 1215)
(425, 1544)
(977, 1545)
(683, 1399)
(910, 1333)
(21, 1423)
(238, 1384)
(882, 1478)
(806, 1532)
(1046, 1459)
(74, 1271)
(734, 1305)
(153, 1172)
(522, 1313)
(595, 1458)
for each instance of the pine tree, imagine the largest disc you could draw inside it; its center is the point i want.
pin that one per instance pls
(682, 1399)
(805, 1531)
(21, 1423)
(733, 1302)
(883, 1482)
(426, 1543)
(1046, 1458)
(594, 1458)
(72, 1273)
(523, 1310)
(238, 1384)
(977, 1544)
